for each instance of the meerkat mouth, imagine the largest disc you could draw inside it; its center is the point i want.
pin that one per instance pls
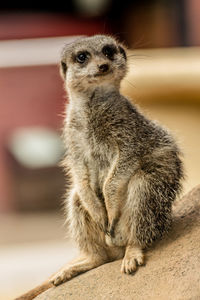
(102, 74)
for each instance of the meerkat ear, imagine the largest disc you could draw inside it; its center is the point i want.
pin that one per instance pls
(123, 52)
(63, 69)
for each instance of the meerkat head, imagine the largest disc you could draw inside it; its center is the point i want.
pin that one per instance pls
(93, 61)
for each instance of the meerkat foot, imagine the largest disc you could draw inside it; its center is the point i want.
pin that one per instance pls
(79, 266)
(133, 258)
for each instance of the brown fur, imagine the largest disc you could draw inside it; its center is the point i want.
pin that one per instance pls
(125, 169)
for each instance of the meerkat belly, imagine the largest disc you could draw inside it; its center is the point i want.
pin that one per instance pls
(85, 150)
(98, 168)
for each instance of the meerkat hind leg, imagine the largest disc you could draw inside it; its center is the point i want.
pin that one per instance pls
(133, 258)
(78, 266)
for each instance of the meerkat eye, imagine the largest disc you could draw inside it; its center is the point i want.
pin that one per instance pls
(82, 57)
(109, 51)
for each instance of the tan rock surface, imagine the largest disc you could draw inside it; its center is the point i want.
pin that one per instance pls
(172, 270)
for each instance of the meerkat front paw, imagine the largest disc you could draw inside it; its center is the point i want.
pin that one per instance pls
(133, 258)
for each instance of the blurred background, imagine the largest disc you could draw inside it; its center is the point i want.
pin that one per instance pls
(163, 37)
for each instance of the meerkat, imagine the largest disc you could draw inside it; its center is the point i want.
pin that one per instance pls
(125, 169)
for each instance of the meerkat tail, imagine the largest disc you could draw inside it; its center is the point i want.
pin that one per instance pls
(36, 291)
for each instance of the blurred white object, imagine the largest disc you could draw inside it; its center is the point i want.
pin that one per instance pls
(36, 147)
(30, 52)
(25, 265)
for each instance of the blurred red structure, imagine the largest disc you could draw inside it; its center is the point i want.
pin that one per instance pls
(35, 25)
(29, 96)
(32, 95)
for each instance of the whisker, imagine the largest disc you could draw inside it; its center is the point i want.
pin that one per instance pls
(139, 56)
(130, 83)
(116, 34)
(141, 43)
(62, 115)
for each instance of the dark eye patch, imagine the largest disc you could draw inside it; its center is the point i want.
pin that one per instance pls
(64, 67)
(123, 52)
(109, 51)
(82, 56)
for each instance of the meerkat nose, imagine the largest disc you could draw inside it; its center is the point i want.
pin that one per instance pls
(103, 68)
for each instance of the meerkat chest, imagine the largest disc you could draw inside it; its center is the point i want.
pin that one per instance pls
(83, 151)
(87, 148)
(83, 144)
